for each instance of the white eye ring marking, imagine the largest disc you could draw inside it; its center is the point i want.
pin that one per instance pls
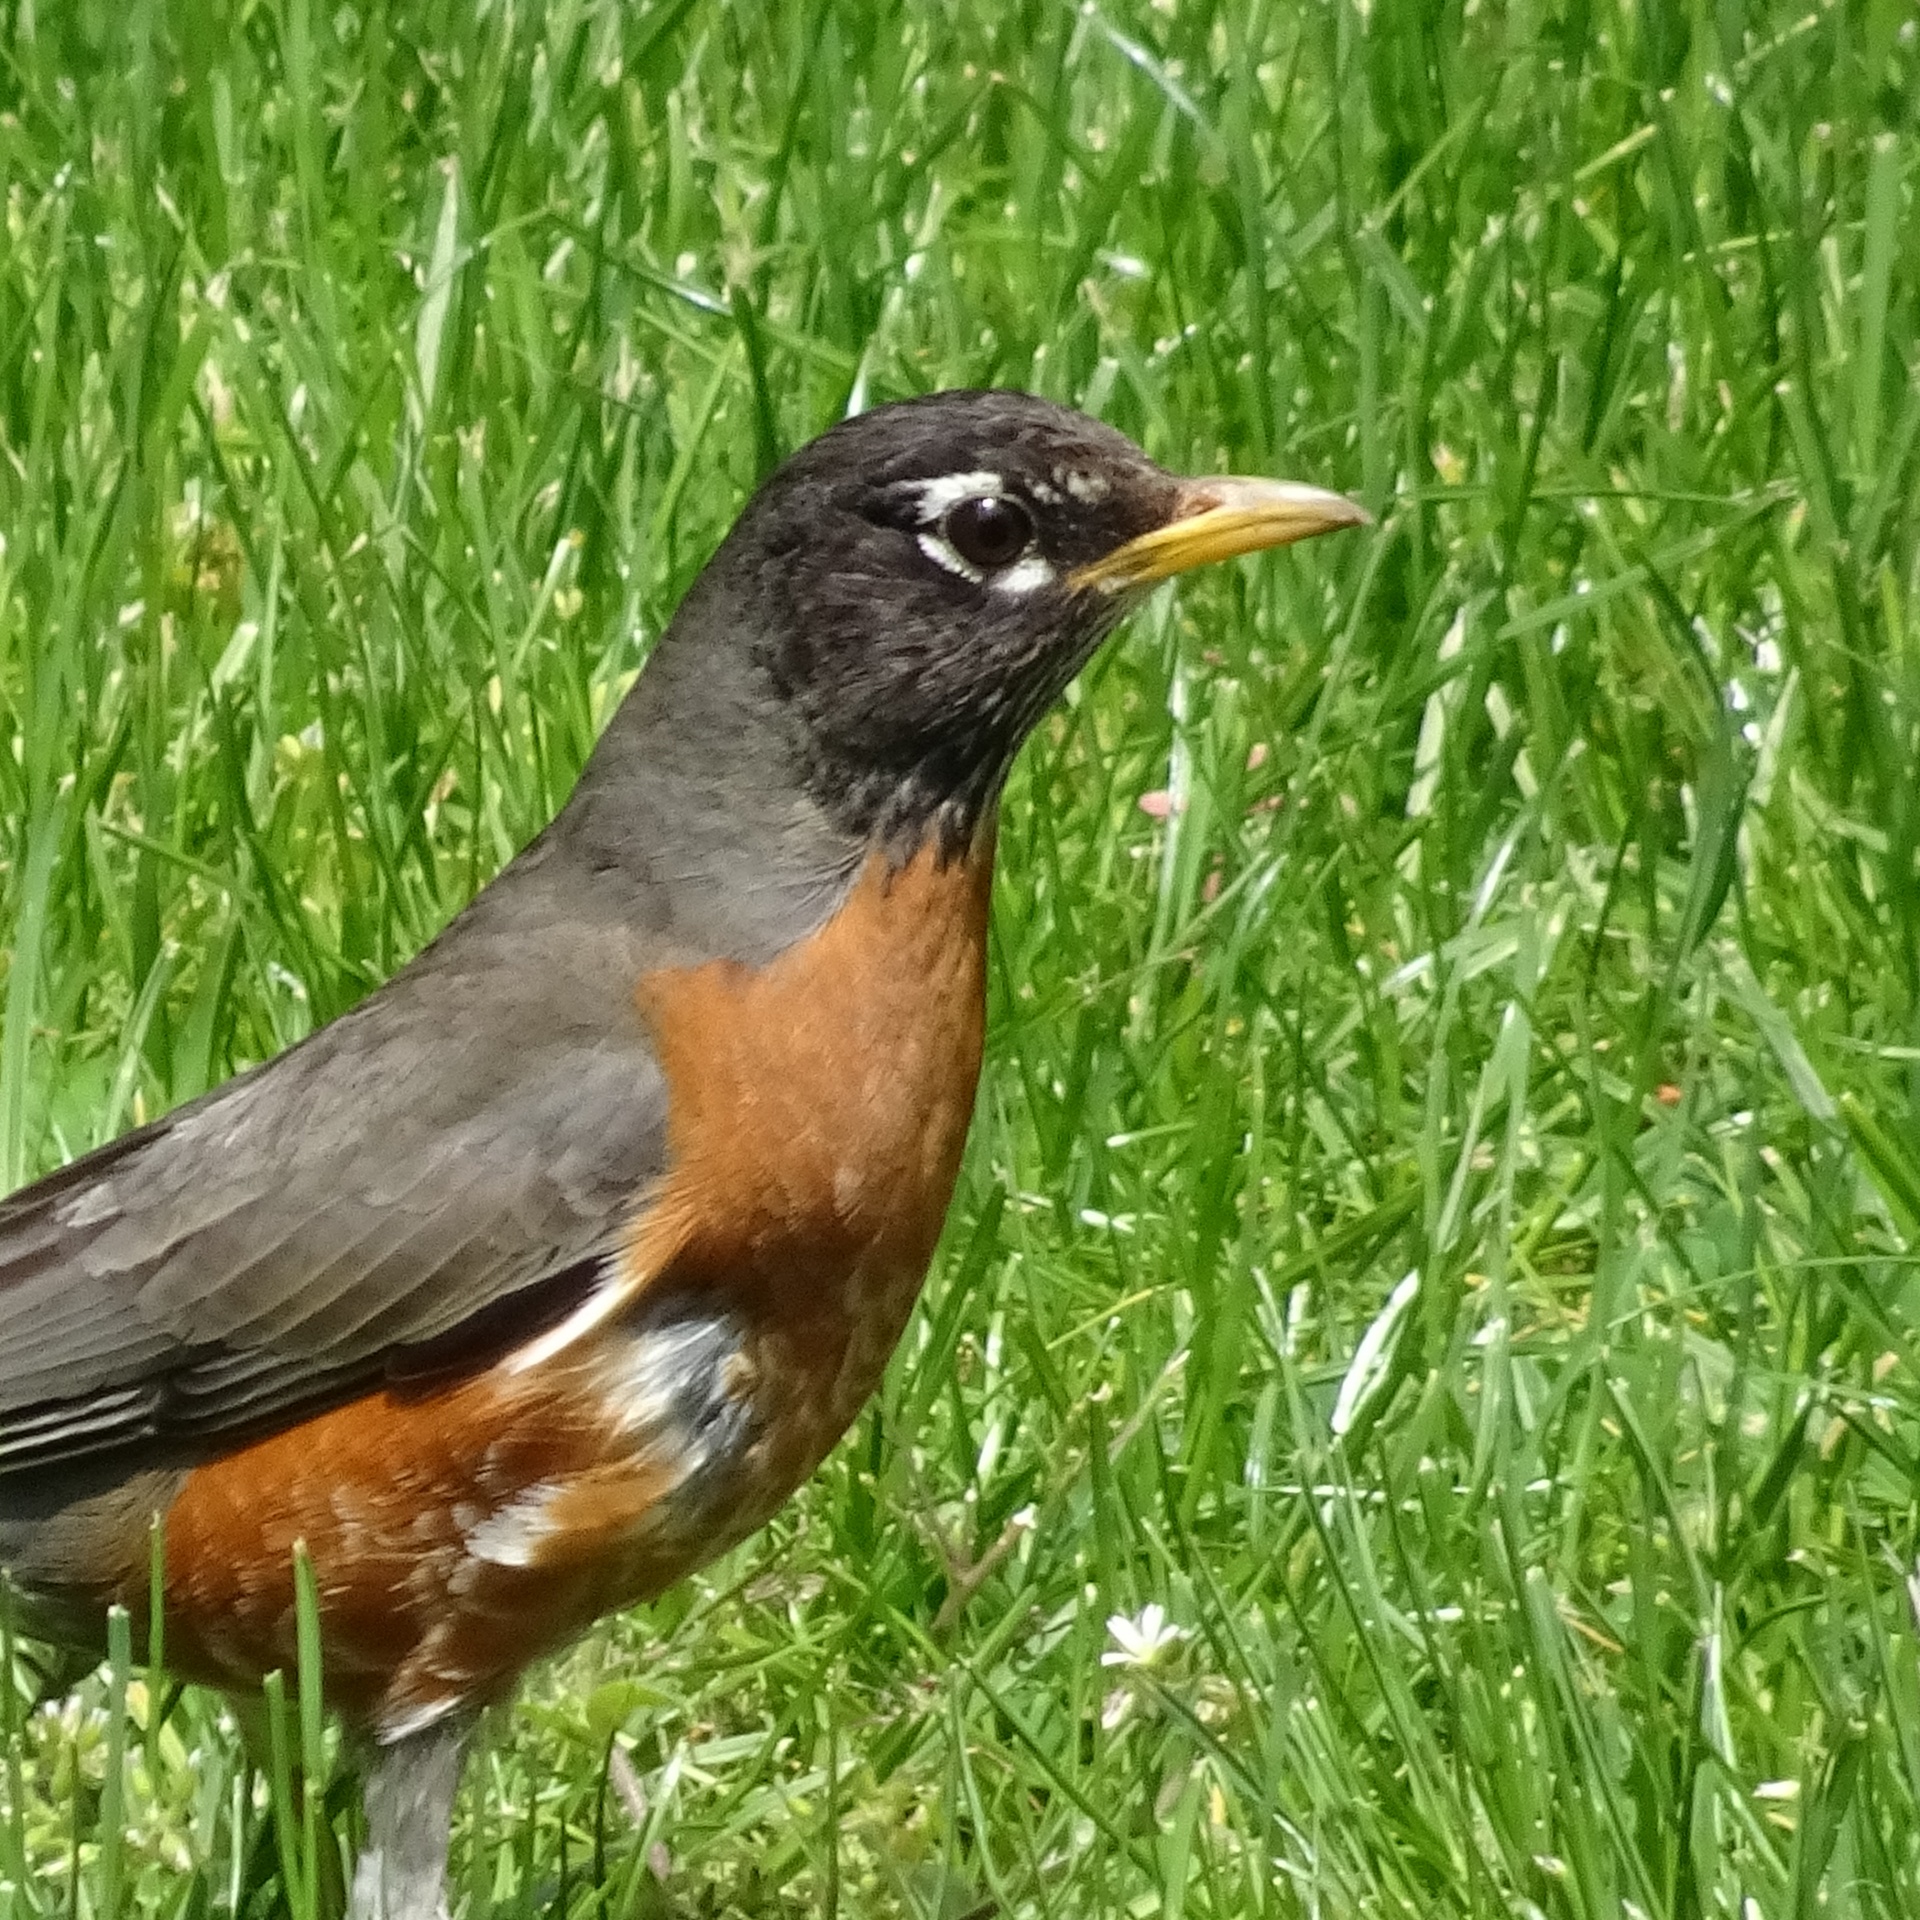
(1024, 576)
(942, 552)
(938, 496)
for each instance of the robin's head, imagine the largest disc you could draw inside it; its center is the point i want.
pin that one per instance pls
(924, 580)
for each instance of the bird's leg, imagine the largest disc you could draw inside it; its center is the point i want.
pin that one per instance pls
(410, 1784)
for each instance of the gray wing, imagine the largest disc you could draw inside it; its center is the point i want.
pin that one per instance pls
(462, 1150)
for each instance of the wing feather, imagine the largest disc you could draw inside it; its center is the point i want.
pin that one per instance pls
(381, 1191)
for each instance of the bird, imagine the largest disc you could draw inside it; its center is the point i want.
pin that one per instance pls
(547, 1272)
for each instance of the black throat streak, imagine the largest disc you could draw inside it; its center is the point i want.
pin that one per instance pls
(902, 776)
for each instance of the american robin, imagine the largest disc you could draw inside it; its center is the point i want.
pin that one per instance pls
(548, 1272)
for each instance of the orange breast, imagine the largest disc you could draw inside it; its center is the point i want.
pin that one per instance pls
(818, 1110)
(819, 1107)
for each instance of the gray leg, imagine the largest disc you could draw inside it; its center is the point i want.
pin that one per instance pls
(409, 1797)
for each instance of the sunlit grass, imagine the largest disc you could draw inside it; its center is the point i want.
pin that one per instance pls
(1441, 1214)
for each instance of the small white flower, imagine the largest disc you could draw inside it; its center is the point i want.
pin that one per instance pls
(1144, 1642)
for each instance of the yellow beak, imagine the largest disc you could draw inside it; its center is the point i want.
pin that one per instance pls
(1216, 518)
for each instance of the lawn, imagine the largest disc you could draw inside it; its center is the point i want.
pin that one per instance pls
(1418, 1409)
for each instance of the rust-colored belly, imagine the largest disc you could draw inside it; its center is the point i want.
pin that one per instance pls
(819, 1108)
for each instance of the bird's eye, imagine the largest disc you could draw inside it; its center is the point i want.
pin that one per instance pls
(989, 531)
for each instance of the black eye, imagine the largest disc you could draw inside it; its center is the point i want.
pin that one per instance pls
(989, 531)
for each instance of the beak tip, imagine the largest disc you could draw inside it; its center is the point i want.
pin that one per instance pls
(1219, 517)
(1300, 510)
(1340, 510)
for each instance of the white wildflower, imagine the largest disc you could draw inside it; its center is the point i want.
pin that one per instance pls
(1144, 1642)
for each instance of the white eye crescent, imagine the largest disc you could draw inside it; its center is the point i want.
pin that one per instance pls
(975, 527)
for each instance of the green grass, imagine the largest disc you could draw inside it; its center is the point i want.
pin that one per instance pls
(1534, 909)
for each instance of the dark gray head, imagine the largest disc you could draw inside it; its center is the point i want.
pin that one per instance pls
(921, 582)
